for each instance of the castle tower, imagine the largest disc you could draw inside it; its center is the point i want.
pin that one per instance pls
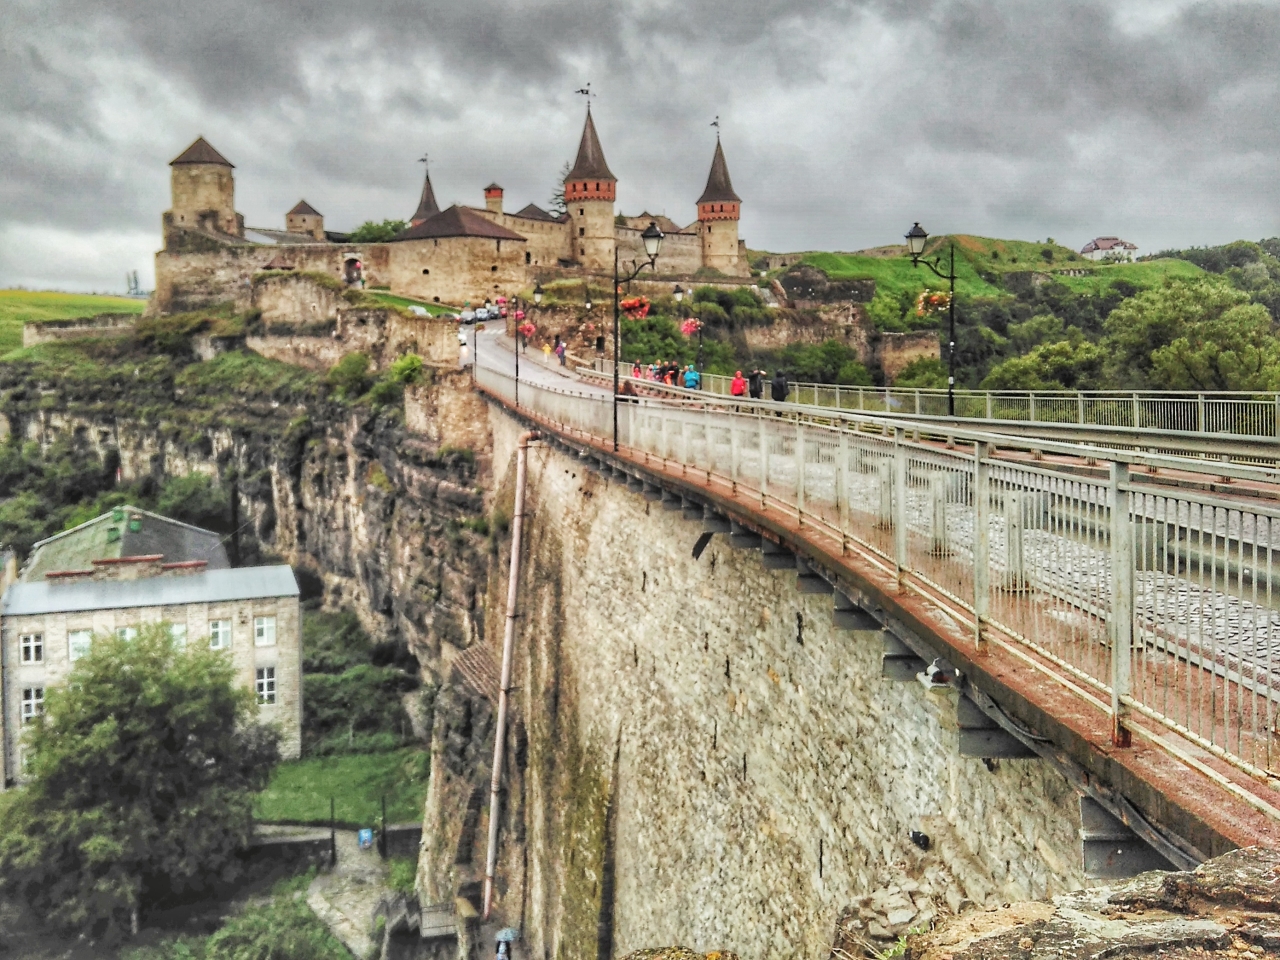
(493, 198)
(427, 206)
(718, 210)
(589, 193)
(203, 192)
(304, 218)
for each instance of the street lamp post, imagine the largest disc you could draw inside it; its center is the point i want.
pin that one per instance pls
(652, 238)
(916, 238)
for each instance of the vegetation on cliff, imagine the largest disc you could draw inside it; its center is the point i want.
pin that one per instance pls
(143, 766)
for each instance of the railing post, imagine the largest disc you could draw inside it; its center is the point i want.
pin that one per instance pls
(1031, 406)
(988, 404)
(981, 539)
(842, 487)
(860, 405)
(799, 473)
(899, 502)
(1080, 408)
(733, 451)
(1275, 432)
(764, 464)
(1121, 602)
(917, 392)
(1136, 417)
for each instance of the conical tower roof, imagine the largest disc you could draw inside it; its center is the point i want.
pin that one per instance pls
(302, 208)
(427, 206)
(719, 186)
(200, 152)
(590, 164)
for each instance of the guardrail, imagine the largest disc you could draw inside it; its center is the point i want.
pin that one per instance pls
(1250, 414)
(1158, 606)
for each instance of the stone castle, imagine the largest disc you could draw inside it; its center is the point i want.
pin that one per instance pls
(447, 256)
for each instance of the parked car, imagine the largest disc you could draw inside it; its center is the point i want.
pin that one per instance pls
(467, 316)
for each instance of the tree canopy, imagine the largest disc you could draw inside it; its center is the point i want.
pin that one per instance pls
(373, 232)
(143, 769)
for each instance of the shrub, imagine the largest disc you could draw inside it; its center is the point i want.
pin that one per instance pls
(363, 700)
(349, 377)
(373, 232)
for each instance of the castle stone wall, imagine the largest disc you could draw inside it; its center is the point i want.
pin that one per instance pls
(548, 241)
(197, 188)
(696, 729)
(681, 252)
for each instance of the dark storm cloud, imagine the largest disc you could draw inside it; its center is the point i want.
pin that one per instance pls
(842, 121)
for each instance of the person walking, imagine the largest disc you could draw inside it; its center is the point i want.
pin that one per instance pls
(738, 386)
(757, 383)
(692, 379)
(779, 388)
(546, 352)
(560, 352)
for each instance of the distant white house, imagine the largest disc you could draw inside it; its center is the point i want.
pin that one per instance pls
(1102, 248)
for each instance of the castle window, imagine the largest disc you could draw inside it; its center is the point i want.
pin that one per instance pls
(597, 185)
(425, 271)
(582, 231)
(580, 211)
(494, 268)
(528, 257)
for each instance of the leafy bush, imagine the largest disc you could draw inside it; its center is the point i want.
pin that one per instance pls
(195, 499)
(349, 377)
(373, 232)
(363, 700)
(828, 362)
(333, 642)
(402, 875)
(923, 373)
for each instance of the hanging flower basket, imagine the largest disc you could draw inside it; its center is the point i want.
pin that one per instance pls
(526, 330)
(691, 326)
(636, 308)
(931, 301)
(519, 315)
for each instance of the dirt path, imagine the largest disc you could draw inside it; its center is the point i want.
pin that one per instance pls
(345, 897)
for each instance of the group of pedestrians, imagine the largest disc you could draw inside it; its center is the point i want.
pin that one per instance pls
(671, 374)
(560, 350)
(753, 384)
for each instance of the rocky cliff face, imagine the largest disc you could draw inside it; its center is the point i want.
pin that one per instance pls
(372, 515)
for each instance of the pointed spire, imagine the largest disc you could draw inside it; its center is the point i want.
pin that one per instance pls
(719, 186)
(590, 164)
(427, 206)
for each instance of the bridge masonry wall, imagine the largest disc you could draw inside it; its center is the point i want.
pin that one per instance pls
(710, 762)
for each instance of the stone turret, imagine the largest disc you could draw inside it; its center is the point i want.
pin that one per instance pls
(304, 218)
(203, 192)
(718, 211)
(427, 206)
(590, 190)
(493, 198)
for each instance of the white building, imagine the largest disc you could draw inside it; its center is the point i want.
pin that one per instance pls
(1113, 248)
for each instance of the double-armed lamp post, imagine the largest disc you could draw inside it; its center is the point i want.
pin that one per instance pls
(652, 238)
(916, 238)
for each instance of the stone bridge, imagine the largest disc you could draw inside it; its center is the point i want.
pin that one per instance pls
(1091, 630)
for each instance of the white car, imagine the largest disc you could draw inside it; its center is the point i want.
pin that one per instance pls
(467, 316)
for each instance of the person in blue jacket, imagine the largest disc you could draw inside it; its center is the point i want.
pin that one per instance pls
(692, 379)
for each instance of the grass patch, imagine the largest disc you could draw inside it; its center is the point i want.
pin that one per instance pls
(22, 306)
(401, 874)
(1147, 273)
(300, 789)
(392, 300)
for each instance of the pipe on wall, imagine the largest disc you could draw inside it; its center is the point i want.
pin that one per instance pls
(508, 646)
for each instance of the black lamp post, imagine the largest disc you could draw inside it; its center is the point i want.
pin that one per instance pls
(916, 238)
(652, 238)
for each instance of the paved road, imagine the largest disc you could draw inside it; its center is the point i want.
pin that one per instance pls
(497, 352)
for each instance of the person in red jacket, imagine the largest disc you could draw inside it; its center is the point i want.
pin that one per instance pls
(738, 387)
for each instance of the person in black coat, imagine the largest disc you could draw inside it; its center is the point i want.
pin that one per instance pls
(779, 388)
(755, 384)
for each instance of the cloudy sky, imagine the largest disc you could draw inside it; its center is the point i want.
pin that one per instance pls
(843, 120)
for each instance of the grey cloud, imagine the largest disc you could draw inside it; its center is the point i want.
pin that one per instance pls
(842, 121)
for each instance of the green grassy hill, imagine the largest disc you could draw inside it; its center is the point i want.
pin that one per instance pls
(20, 306)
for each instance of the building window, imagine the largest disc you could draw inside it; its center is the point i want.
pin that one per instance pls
(582, 231)
(126, 633)
(425, 271)
(494, 268)
(266, 684)
(32, 703)
(528, 257)
(219, 634)
(264, 632)
(597, 185)
(580, 211)
(33, 648)
(178, 634)
(78, 643)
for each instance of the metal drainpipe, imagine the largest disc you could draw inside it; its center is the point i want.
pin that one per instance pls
(508, 645)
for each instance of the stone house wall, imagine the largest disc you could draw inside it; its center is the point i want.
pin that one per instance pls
(285, 656)
(897, 350)
(103, 325)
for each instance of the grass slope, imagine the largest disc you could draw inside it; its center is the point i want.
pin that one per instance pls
(20, 306)
(300, 789)
(981, 260)
(392, 300)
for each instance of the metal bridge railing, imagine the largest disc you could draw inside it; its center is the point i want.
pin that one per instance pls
(1247, 414)
(1159, 605)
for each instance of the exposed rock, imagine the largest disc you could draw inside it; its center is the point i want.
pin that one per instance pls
(1230, 905)
(680, 953)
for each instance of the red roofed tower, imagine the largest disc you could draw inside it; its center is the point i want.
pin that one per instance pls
(590, 190)
(718, 210)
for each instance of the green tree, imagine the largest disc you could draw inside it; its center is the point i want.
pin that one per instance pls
(143, 766)
(1236, 351)
(195, 499)
(373, 232)
(1065, 365)
(923, 373)
(1153, 319)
